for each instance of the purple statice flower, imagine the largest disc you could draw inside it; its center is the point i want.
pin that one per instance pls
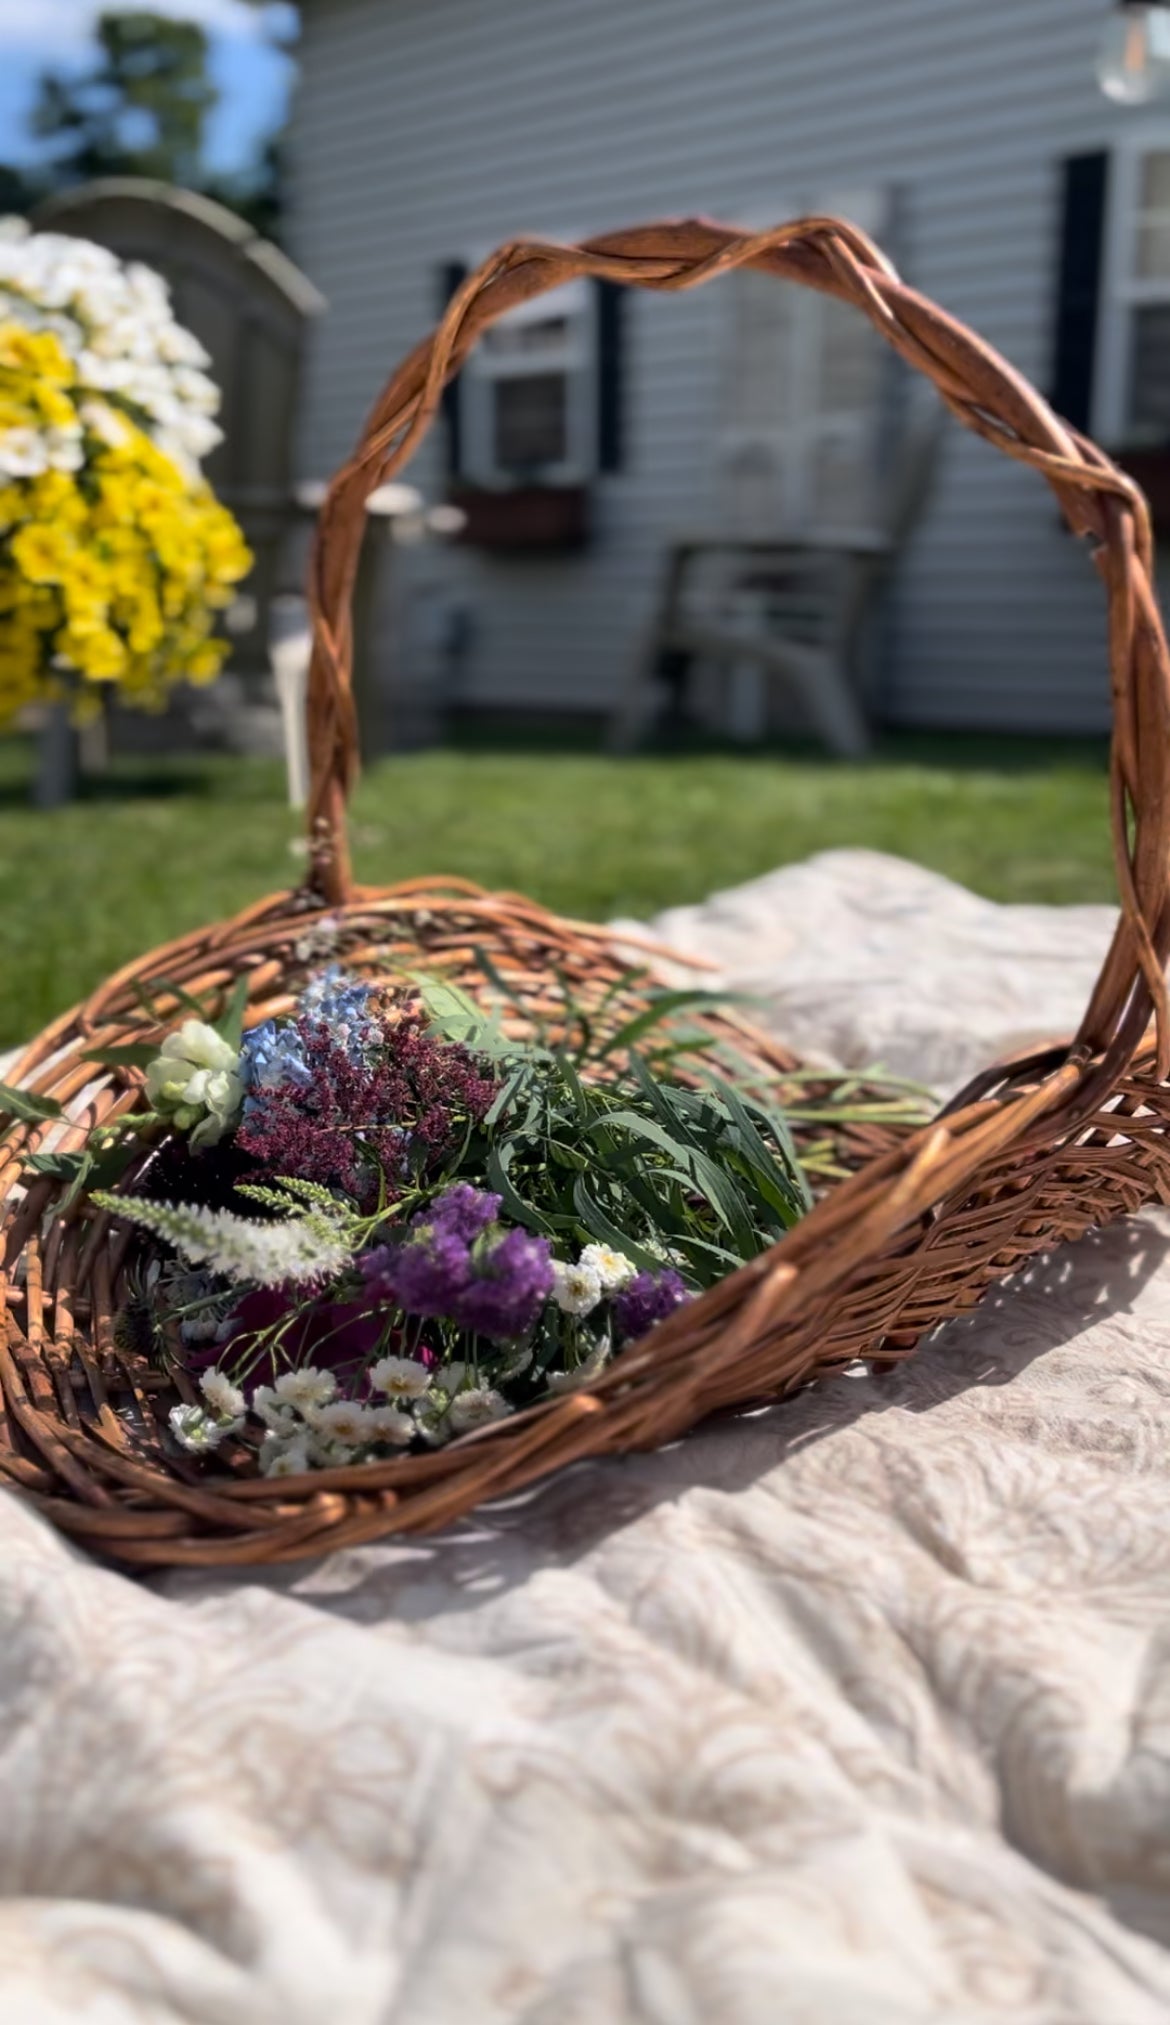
(463, 1211)
(511, 1278)
(396, 1102)
(424, 1276)
(646, 1299)
(457, 1263)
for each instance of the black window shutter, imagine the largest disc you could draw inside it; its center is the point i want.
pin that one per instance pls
(1078, 285)
(451, 275)
(611, 311)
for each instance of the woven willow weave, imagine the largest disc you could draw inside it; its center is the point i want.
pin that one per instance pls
(1028, 1155)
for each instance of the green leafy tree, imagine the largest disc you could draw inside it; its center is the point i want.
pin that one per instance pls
(20, 189)
(142, 109)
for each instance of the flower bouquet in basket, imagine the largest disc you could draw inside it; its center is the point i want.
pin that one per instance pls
(384, 1220)
(342, 1256)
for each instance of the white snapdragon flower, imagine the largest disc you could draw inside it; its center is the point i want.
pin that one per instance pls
(305, 1389)
(222, 1396)
(576, 1289)
(294, 1251)
(477, 1407)
(400, 1377)
(614, 1270)
(195, 1080)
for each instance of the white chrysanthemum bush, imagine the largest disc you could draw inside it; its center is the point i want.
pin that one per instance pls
(115, 555)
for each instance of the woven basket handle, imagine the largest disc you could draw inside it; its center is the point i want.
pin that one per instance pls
(988, 396)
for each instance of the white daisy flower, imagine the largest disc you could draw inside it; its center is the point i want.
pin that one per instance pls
(64, 449)
(345, 1421)
(105, 422)
(390, 1424)
(450, 1376)
(282, 1420)
(221, 1395)
(193, 1430)
(476, 1407)
(400, 1377)
(306, 1388)
(576, 1289)
(280, 1458)
(613, 1269)
(23, 453)
(571, 1381)
(330, 1455)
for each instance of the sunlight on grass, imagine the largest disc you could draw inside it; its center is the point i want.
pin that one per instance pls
(160, 847)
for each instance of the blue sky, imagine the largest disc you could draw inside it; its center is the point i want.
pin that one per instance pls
(253, 77)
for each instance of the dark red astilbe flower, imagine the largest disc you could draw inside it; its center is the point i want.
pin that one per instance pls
(402, 1111)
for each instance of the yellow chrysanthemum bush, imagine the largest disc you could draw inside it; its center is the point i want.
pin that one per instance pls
(115, 554)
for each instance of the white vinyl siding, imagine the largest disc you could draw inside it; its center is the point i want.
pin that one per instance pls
(428, 125)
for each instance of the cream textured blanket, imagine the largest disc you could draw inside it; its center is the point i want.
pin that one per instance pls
(853, 1711)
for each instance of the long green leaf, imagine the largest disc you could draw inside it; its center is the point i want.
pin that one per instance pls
(659, 1009)
(498, 1162)
(791, 1191)
(167, 988)
(707, 1177)
(230, 1024)
(126, 1055)
(27, 1106)
(606, 1232)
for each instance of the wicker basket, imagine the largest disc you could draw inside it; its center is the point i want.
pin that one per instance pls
(1027, 1156)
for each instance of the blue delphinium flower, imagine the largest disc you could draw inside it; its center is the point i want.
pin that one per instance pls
(342, 1004)
(273, 1055)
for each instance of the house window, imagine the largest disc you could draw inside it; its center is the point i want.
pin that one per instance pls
(528, 394)
(1131, 406)
(806, 387)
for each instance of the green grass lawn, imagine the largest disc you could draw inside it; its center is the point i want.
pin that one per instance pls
(156, 848)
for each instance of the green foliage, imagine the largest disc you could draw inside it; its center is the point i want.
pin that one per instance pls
(593, 1143)
(141, 110)
(26, 1106)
